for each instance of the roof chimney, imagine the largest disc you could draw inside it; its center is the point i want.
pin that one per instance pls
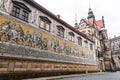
(58, 16)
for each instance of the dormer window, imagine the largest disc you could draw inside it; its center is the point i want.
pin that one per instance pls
(44, 23)
(20, 11)
(72, 35)
(60, 31)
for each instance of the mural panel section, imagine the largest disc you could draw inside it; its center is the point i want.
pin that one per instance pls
(17, 33)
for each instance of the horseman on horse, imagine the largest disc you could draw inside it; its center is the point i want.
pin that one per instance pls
(5, 29)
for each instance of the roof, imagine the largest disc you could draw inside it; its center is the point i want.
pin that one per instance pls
(90, 22)
(50, 14)
(115, 38)
(99, 24)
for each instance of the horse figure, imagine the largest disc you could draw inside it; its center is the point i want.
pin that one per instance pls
(14, 33)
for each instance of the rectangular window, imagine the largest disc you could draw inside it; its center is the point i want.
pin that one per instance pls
(20, 11)
(47, 27)
(79, 41)
(71, 34)
(91, 47)
(72, 38)
(86, 44)
(16, 11)
(60, 31)
(25, 16)
(44, 23)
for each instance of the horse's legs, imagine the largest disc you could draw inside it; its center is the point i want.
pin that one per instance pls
(23, 41)
(8, 37)
(34, 45)
(30, 43)
(15, 40)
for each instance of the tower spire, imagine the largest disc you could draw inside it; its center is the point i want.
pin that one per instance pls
(89, 3)
(90, 14)
(76, 20)
(103, 22)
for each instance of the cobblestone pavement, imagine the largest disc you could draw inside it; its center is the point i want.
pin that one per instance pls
(103, 76)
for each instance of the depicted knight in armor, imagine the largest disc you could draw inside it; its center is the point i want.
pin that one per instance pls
(52, 43)
(39, 41)
(34, 39)
(21, 35)
(64, 47)
(5, 30)
(28, 38)
(56, 46)
(45, 44)
(14, 33)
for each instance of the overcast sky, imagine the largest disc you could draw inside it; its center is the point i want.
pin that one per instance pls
(68, 8)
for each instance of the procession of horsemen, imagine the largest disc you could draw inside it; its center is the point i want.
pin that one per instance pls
(16, 35)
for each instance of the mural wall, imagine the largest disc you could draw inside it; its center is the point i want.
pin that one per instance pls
(17, 33)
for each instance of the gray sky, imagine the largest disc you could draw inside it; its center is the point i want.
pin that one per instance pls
(68, 8)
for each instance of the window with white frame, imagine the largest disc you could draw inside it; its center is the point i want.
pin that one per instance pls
(44, 23)
(91, 46)
(20, 11)
(71, 36)
(86, 44)
(80, 41)
(60, 31)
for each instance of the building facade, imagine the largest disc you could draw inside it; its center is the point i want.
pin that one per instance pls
(33, 40)
(115, 49)
(95, 30)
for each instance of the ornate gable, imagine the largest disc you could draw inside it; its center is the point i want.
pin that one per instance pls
(82, 25)
(21, 5)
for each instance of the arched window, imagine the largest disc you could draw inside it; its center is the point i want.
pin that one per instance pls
(60, 31)
(20, 11)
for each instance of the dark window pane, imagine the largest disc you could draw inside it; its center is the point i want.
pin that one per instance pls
(15, 11)
(60, 31)
(79, 41)
(24, 16)
(17, 15)
(20, 12)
